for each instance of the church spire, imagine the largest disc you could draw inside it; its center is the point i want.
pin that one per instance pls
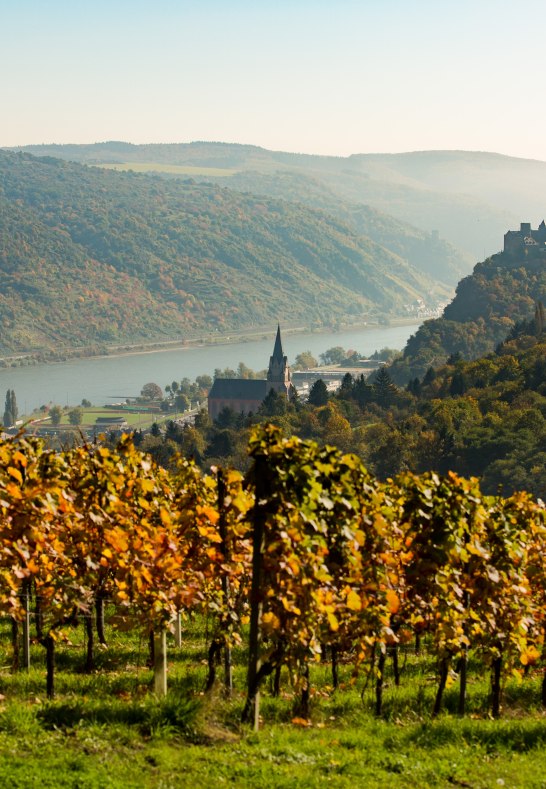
(278, 354)
(278, 375)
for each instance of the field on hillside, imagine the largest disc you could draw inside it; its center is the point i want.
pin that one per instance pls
(107, 729)
(176, 169)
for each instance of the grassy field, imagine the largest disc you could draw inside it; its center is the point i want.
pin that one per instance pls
(142, 419)
(175, 169)
(106, 729)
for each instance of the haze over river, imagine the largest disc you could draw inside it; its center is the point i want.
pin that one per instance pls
(114, 378)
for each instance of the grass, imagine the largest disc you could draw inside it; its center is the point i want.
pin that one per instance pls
(106, 729)
(142, 420)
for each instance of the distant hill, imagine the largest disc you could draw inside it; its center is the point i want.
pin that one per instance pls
(426, 251)
(470, 198)
(501, 292)
(88, 255)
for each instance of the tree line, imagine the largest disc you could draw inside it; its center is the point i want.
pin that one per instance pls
(485, 417)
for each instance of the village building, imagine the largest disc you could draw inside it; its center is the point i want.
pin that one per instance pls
(110, 424)
(245, 395)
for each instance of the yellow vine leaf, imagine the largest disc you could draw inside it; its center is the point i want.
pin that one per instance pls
(393, 601)
(16, 474)
(353, 601)
(208, 512)
(270, 622)
(332, 621)
(530, 656)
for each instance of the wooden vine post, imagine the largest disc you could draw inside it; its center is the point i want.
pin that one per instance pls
(178, 630)
(251, 712)
(228, 667)
(160, 662)
(26, 627)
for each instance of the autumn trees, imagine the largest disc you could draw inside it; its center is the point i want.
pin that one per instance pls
(151, 391)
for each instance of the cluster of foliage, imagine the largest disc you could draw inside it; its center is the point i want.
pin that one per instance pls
(327, 555)
(501, 292)
(482, 418)
(342, 356)
(172, 257)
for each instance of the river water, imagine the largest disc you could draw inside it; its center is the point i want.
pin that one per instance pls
(114, 378)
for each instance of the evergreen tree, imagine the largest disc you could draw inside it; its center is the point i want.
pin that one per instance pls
(227, 418)
(173, 432)
(11, 412)
(318, 394)
(362, 392)
(8, 418)
(345, 391)
(414, 387)
(384, 388)
(274, 404)
(14, 409)
(430, 375)
(458, 384)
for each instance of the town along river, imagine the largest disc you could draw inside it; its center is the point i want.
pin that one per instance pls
(111, 379)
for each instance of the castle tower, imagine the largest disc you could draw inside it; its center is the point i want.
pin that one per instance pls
(278, 374)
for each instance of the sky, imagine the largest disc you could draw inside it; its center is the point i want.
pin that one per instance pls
(330, 77)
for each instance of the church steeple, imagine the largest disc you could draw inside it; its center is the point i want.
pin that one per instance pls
(278, 354)
(278, 374)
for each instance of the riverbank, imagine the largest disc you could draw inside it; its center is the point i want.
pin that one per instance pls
(114, 378)
(33, 358)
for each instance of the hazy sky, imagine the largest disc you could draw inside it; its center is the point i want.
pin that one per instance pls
(316, 76)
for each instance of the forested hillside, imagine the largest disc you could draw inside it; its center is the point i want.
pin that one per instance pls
(426, 251)
(470, 198)
(88, 255)
(501, 292)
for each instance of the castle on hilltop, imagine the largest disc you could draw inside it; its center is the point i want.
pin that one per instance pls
(245, 395)
(525, 238)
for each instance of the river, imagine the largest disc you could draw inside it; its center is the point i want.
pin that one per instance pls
(114, 378)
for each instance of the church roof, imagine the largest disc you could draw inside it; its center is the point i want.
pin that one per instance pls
(238, 389)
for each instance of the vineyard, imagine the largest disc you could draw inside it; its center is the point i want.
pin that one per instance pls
(306, 560)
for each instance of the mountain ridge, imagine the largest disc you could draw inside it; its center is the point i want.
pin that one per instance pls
(171, 258)
(471, 212)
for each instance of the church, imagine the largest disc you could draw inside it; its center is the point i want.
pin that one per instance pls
(245, 395)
